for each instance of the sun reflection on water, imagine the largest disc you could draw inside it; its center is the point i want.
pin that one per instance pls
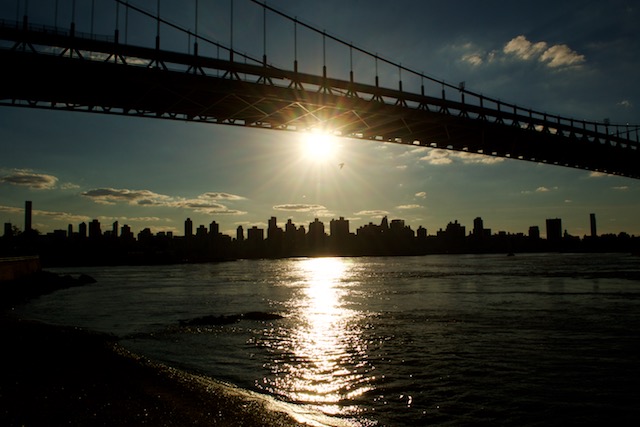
(323, 359)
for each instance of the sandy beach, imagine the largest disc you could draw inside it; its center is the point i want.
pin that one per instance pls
(54, 376)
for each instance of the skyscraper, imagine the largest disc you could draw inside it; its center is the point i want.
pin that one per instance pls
(27, 216)
(594, 232)
(188, 228)
(554, 230)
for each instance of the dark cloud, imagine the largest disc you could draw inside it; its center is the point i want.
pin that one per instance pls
(36, 181)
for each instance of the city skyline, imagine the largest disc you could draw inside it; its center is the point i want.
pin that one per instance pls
(553, 228)
(577, 59)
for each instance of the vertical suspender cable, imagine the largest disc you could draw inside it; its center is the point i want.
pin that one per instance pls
(295, 44)
(231, 33)
(93, 7)
(126, 22)
(264, 35)
(195, 43)
(158, 27)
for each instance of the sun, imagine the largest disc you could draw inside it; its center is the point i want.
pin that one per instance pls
(319, 147)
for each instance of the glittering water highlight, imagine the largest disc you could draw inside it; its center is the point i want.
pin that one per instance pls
(541, 339)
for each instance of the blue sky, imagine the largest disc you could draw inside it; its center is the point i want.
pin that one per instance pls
(573, 58)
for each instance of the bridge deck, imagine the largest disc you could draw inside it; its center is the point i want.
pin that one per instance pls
(44, 69)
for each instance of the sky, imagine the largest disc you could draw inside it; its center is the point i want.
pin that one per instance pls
(578, 59)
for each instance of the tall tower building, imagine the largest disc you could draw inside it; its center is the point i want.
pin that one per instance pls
(554, 230)
(594, 232)
(188, 228)
(27, 216)
(240, 234)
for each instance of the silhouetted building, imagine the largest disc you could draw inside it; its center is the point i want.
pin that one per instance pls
(315, 236)
(27, 216)
(126, 233)
(594, 232)
(554, 230)
(255, 234)
(94, 229)
(339, 228)
(8, 229)
(534, 232)
(240, 234)
(214, 229)
(188, 228)
(201, 232)
(70, 230)
(114, 230)
(82, 230)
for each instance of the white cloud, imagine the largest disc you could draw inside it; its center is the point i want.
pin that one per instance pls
(299, 207)
(221, 196)
(555, 56)
(523, 48)
(110, 196)
(205, 203)
(625, 103)
(621, 188)
(372, 213)
(438, 156)
(408, 207)
(542, 190)
(561, 56)
(474, 59)
(421, 194)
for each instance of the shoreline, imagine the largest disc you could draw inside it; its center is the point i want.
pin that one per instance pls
(60, 375)
(55, 375)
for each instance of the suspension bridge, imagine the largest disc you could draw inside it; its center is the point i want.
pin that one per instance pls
(61, 68)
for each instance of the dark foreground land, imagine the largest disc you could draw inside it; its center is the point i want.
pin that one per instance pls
(54, 376)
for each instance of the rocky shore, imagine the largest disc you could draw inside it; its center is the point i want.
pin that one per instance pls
(54, 376)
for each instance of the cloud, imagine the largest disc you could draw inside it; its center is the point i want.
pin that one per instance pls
(621, 188)
(541, 189)
(523, 48)
(205, 203)
(422, 194)
(438, 156)
(408, 207)
(11, 209)
(69, 186)
(561, 56)
(26, 178)
(373, 213)
(474, 59)
(110, 196)
(555, 56)
(625, 103)
(221, 196)
(62, 216)
(299, 207)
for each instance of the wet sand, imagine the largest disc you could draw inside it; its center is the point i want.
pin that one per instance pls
(54, 376)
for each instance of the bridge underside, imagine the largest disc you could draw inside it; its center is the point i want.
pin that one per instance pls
(68, 83)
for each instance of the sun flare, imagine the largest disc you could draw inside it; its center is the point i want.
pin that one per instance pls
(319, 147)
